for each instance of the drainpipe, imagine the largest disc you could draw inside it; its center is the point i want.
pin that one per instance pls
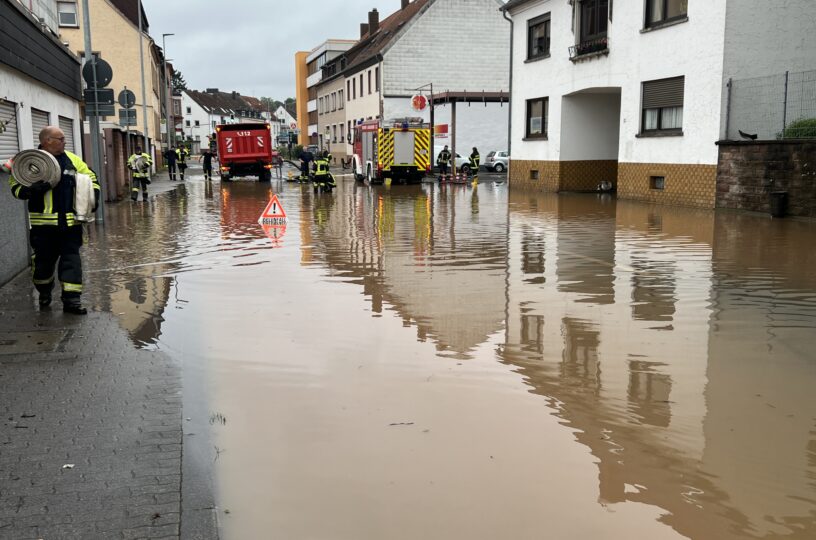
(510, 101)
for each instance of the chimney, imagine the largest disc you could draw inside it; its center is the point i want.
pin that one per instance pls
(363, 30)
(212, 90)
(235, 94)
(373, 21)
(405, 3)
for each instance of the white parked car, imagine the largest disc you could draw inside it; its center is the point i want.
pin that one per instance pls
(461, 162)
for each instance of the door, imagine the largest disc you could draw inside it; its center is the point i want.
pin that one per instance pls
(39, 121)
(9, 141)
(403, 148)
(67, 127)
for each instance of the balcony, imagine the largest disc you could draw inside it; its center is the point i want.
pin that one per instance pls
(589, 49)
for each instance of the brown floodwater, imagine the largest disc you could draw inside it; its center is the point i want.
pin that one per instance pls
(447, 362)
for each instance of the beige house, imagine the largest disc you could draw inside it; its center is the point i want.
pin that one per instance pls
(115, 37)
(331, 116)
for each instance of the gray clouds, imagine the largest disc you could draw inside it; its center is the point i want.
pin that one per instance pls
(249, 45)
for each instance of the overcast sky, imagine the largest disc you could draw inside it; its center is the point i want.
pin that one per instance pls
(249, 45)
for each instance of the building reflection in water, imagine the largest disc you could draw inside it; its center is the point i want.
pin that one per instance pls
(678, 350)
(421, 251)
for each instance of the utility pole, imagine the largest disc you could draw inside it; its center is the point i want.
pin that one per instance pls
(168, 113)
(96, 145)
(144, 91)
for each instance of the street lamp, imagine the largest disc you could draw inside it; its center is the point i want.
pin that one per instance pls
(168, 92)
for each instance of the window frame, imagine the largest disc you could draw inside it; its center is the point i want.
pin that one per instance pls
(377, 79)
(545, 100)
(75, 13)
(660, 131)
(582, 24)
(533, 23)
(665, 20)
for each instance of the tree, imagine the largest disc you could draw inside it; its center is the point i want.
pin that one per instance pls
(178, 80)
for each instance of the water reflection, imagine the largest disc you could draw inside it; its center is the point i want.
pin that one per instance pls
(688, 375)
(675, 345)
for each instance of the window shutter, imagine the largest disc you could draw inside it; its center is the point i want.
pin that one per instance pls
(663, 93)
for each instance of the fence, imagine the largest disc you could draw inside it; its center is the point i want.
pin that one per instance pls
(770, 108)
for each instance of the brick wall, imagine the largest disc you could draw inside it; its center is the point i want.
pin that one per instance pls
(748, 171)
(685, 184)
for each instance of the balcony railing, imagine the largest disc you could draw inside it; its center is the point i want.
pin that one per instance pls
(592, 47)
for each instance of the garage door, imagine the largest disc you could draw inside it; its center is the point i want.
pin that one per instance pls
(39, 120)
(67, 127)
(9, 143)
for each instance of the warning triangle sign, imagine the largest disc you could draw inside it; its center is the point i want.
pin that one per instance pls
(274, 213)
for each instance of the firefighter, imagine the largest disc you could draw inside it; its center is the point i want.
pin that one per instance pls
(474, 162)
(442, 162)
(181, 155)
(55, 234)
(328, 156)
(305, 157)
(171, 156)
(139, 163)
(207, 156)
(322, 176)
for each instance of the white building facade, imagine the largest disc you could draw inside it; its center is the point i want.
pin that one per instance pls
(633, 93)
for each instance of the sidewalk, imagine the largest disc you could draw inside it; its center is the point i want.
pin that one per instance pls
(91, 430)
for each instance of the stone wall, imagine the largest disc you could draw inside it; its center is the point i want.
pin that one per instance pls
(748, 171)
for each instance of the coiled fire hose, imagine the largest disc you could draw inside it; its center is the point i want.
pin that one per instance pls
(30, 166)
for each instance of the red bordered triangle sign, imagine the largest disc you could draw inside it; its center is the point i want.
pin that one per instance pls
(274, 214)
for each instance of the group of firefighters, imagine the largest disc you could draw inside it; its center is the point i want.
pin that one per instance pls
(140, 164)
(444, 159)
(320, 174)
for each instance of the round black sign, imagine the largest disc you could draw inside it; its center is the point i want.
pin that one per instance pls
(127, 99)
(104, 72)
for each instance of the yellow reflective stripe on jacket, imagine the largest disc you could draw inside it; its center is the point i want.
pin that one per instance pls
(43, 281)
(36, 218)
(48, 202)
(72, 287)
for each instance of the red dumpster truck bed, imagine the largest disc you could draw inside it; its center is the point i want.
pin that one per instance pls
(245, 150)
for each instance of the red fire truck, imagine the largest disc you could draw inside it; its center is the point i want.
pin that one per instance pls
(245, 150)
(398, 149)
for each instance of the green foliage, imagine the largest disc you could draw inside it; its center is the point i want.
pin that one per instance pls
(804, 128)
(178, 81)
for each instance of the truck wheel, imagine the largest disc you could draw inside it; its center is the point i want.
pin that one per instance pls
(499, 168)
(368, 175)
(265, 176)
(225, 177)
(465, 169)
(358, 177)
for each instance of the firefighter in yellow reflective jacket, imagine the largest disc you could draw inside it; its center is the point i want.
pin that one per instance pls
(139, 164)
(182, 153)
(56, 235)
(322, 176)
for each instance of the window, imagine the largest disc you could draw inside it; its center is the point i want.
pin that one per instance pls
(189, 110)
(348, 89)
(377, 79)
(354, 88)
(348, 130)
(340, 99)
(67, 13)
(657, 182)
(197, 123)
(663, 106)
(662, 11)
(341, 133)
(537, 110)
(369, 82)
(361, 85)
(187, 123)
(538, 37)
(320, 106)
(594, 15)
(334, 133)
(213, 124)
(334, 101)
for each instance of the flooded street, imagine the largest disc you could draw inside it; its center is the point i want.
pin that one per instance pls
(452, 361)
